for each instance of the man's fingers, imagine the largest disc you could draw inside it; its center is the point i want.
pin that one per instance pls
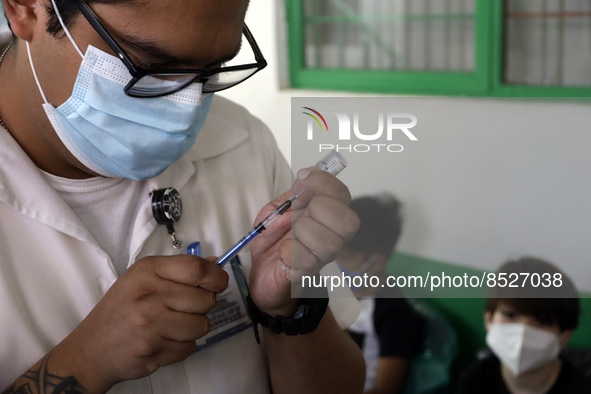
(335, 215)
(188, 299)
(312, 182)
(298, 258)
(189, 270)
(172, 352)
(182, 327)
(319, 239)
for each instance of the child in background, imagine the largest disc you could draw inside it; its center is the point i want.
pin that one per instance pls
(527, 326)
(388, 330)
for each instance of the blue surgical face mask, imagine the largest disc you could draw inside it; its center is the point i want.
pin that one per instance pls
(117, 135)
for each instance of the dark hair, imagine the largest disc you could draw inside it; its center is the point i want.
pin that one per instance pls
(557, 303)
(68, 10)
(381, 224)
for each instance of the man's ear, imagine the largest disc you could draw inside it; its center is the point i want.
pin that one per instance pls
(22, 15)
(564, 337)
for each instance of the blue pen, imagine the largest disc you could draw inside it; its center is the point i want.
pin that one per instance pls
(259, 228)
(333, 163)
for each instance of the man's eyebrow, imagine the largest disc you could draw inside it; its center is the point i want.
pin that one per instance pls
(152, 49)
(147, 47)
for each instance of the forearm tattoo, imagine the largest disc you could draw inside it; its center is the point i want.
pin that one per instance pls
(40, 381)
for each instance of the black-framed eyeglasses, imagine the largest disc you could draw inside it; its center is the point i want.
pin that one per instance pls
(156, 83)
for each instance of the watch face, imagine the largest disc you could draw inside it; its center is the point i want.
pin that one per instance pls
(166, 205)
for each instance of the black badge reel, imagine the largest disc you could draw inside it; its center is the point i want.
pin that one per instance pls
(167, 209)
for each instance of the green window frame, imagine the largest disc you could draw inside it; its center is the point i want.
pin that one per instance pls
(485, 81)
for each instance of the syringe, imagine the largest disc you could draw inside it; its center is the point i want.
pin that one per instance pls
(333, 163)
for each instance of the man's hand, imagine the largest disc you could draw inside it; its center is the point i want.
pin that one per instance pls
(320, 221)
(150, 317)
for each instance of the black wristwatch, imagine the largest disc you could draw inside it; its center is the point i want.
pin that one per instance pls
(305, 320)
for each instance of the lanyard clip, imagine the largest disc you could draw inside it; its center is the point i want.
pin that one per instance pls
(167, 209)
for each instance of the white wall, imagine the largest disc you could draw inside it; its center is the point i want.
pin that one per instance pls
(3, 24)
(477, 192)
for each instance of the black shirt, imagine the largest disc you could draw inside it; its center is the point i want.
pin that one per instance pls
(484, 377)
(398, 327)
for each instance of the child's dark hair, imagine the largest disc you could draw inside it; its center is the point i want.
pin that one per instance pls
(381, 224)
(552, 300)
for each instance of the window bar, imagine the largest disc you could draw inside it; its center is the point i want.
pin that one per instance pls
(340, 40)
(366, 43)
(544, 38)
(390, 29)
(407, 35)
(427, 30)
(549, 14)
(382, 6)
(561, 58)
(373, 47)
(380, 9)
(388, 32)
(363, 25)
(317, 35)
(505, 41)
(463, 27)
(447, 35)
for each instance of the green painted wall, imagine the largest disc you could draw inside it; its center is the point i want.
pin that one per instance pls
(466, 314)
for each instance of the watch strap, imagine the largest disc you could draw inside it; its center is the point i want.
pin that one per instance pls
(304, 321)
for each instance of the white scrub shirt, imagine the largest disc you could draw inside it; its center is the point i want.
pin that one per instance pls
(52, 271)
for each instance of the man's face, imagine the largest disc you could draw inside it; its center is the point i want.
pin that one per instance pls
(154, 33)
